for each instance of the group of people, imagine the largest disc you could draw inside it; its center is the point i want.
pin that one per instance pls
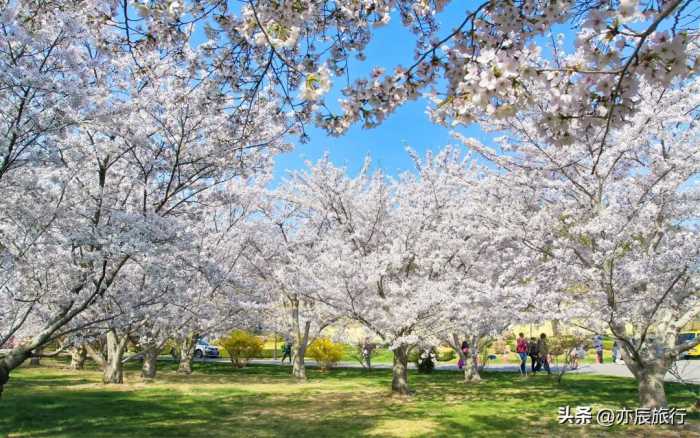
(580, 352)
(537, 350)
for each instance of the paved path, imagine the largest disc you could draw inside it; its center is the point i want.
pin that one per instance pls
(689, 369)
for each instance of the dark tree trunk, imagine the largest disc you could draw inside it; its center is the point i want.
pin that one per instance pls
(9, 362)
(4, 377)
(35, 361)
(19, 354)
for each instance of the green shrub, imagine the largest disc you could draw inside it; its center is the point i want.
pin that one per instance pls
(414, 355)
(325, 352)
(241, 346)
(562, 345)
(446, 355)
(169, 346)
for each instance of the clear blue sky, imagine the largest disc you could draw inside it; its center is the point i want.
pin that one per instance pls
(391, 45)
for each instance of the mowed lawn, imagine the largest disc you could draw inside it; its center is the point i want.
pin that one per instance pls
(263, 401)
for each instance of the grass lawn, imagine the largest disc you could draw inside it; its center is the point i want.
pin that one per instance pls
(263, 401)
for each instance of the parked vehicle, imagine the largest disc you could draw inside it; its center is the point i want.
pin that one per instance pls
(203, 349)
(686, 337)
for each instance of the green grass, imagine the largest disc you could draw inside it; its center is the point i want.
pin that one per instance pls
(263, 401)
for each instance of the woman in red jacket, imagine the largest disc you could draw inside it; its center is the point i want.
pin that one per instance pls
(521, 349)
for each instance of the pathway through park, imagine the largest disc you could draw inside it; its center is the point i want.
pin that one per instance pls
(688, 370)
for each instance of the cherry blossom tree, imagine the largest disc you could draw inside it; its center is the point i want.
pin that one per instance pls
(115, 184)
(48, 78)
(122, 128)
(482, 260)
(284, 242)
(130, 310)
(391, 253)
(218, 291)
(496, 61)
(616, 232)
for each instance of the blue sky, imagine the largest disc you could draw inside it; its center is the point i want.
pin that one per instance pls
(409, 126)
(391, 45)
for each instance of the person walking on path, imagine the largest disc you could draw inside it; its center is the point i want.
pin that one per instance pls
(577, 356)
(533, 352)
(521, 348)
(543, 350)
(367, 349)
(287, 351)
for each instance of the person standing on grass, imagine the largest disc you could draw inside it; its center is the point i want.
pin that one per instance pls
(543, 350)
(533, 352)
(367, 349)
(521, 348)
(615, 352)
(573, 358)
(287, 351)
(598, 345)
(578, 354)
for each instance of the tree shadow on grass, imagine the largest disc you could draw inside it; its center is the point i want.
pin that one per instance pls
(507, 405)
(102, 412)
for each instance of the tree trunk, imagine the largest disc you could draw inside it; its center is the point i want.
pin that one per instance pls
(150, 359)
(96, 353)
(114, 371)
(298, 367)
(20, 353)
(4, 377)
(298, 352)
(556, 328)
(77, 357)
(649, 371)
(274, 352)
(301, 337)
(187, 345)
(11, 361)
(471, 370)
(36, 360)
(399, 371)
(651, 389)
